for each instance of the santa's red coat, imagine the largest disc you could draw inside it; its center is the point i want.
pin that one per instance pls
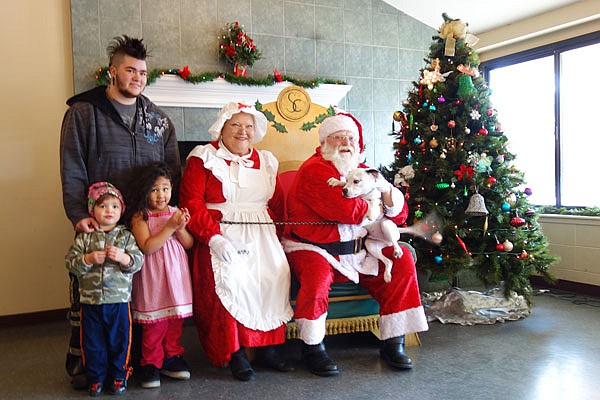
(311, 199)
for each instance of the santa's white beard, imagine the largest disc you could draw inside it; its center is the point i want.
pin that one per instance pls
(344, 161)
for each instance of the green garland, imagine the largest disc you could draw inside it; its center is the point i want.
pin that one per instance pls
(307, 126)
(582, 212)
(102, 78)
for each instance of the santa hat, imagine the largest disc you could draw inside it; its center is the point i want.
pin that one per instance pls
(229, 109)
(100, 189)
(342, 121)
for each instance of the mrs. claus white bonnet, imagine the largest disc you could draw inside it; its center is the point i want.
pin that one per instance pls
(229, 109)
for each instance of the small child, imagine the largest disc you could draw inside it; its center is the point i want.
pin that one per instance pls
(162, 291)
(104, 262)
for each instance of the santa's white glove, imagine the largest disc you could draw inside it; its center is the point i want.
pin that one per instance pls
(382, 185)
(223, 248)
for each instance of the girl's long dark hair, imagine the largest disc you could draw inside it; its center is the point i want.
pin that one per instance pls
(141, 181)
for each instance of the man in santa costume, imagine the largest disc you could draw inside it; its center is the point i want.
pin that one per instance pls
(332, 251)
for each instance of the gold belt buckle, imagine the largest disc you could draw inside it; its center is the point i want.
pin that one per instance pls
(357, 245)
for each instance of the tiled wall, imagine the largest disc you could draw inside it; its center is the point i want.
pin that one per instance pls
(577, 241)
(368, 43)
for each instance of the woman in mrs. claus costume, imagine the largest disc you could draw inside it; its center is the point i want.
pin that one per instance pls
(240, 274)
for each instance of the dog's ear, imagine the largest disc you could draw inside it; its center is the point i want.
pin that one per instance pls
(373, 172)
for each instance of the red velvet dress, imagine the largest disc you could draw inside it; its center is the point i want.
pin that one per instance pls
(227, 317)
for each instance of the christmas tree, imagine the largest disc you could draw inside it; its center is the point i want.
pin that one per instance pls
(451, 159)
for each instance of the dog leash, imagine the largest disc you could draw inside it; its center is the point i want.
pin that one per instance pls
(279, 223)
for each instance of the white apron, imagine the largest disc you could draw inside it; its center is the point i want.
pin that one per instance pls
(255, 288)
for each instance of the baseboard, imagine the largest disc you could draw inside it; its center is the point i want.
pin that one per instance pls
(33, 318)
(567, 286)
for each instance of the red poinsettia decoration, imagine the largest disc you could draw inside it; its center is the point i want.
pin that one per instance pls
(464, 172)
(185, 72)
(236, 46)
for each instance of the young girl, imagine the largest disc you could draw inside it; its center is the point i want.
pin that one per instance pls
(162, 291)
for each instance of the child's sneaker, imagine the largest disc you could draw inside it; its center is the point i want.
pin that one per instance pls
(95, 389)
(176, 367)
(118, 386)
(149, 376)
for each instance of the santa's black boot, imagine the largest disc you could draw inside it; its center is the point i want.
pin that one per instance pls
(318, 361)
(392, 352)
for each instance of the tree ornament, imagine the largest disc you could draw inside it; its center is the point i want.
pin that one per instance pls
(474, 114)
(433, 76)
(433, 127)
(500, 158)
(491, 181)
(399, 116)
(530, 212)
(441, 99)
(482, 132)
(508, 246)
(524, 255)
(437, 238)
(476, 206)
(462, 244)
(505, 207)
(490, 112)
(512, 199)
(442, 185)
(438, 259)
(433, 143)
(464, 172)
(418, 214)
(451, 124)
(517, 221)
(528, 191)
(465, 86)
(500, 247)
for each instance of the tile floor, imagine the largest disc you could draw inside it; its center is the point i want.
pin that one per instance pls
(552, 354)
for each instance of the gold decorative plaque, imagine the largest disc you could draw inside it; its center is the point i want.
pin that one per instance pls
(293, 103)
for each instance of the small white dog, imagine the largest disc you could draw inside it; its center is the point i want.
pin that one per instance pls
(382, 232)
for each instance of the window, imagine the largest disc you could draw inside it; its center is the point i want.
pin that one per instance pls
(548, 105)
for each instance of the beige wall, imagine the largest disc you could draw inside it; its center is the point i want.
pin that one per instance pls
(574, 20)
(35, 77)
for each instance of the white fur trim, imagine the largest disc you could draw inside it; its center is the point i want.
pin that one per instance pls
(290, 246)
(229, 109)
(403, 323)
(337, 123)
(398, 200)
(311, 331)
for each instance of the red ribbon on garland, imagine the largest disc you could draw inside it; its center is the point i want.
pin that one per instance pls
(185, 72)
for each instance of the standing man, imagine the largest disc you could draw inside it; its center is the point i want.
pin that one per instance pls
(333, 252)
(105, 133)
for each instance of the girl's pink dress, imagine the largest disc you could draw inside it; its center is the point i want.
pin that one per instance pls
(162, 289)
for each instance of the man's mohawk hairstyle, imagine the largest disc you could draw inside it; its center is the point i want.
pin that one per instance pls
(125, 45)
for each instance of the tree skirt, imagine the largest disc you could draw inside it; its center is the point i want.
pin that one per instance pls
(468, 307)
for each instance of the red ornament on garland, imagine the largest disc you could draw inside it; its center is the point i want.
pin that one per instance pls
(482, 132)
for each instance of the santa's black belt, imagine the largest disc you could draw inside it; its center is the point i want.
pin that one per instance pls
(337, 248)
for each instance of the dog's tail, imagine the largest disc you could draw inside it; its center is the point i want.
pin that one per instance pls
(425, 227)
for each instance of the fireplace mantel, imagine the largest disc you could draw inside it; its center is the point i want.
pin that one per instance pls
(172, 91)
